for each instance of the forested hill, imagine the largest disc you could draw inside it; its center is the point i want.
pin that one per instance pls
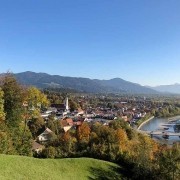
(117, 85)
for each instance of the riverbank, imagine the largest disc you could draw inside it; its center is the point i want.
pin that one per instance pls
(149, 119)
(155, 125)
(174, 118)
(144, 122)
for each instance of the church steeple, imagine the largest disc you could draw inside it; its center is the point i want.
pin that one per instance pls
(66, 104)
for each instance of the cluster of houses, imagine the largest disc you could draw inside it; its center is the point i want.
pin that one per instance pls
(129, 111)
(68, 120)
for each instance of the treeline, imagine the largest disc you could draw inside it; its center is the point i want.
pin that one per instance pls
(168, 111)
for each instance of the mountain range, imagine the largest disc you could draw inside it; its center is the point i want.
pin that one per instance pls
(174, 88)
(76, 84)
(116, 85)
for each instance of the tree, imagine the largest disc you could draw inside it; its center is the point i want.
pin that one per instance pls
(67, 145)
(122, 140)
(169, 163)
(83, 132)
(49, 152)
(13, 100)
(36, 125)
(141, 156)
(36, 99)
(2, 114)
(73, 105)
(6, 144)
(119, 123)
(14, 96)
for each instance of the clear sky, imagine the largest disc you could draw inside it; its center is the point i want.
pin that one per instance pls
(137, 40)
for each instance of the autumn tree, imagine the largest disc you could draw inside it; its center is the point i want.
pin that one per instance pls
(83, 135)
(122, 140)
(36, 99)
(141, 154)
(83, 132)
(103, 142)
(67, 145)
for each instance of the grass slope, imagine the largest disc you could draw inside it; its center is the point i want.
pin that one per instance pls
(26, 168)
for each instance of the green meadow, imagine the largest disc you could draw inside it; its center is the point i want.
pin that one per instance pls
(27, 168)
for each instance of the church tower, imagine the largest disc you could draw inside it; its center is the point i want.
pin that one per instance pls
(66, 104)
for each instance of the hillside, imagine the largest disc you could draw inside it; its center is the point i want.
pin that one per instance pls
(26, 168)
(117, 85)
(121, 85)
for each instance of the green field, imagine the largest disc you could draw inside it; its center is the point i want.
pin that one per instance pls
(26, 168)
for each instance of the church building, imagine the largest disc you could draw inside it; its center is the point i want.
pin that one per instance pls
(63, 108)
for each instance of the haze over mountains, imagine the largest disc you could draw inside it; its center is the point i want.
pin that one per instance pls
(116, 85)
(174, 88)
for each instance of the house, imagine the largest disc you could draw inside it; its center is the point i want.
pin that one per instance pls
(67, 128)
(125, 118)
(59, 107)
(67, 122)
(45, 136)
(79, 112)
(36, 147)
(44, 115)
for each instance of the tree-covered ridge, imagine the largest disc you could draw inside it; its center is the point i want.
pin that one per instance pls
(116, 85)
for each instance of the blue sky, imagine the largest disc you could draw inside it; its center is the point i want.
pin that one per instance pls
(137, 40)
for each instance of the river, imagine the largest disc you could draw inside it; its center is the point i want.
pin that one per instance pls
(155, 124)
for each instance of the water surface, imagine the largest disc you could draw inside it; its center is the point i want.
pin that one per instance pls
(155, 124)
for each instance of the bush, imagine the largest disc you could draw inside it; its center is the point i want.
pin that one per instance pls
(49, 152)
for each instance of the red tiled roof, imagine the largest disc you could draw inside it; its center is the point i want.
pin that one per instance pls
(66, 122)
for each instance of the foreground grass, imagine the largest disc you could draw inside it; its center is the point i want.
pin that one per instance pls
(26, 168)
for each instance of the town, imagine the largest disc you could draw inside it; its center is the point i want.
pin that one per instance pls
(102, 109)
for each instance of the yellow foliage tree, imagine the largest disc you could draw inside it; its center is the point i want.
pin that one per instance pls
(83, 132)
(36, 99)
(122, 140)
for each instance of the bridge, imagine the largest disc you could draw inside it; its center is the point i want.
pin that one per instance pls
(157, 133)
